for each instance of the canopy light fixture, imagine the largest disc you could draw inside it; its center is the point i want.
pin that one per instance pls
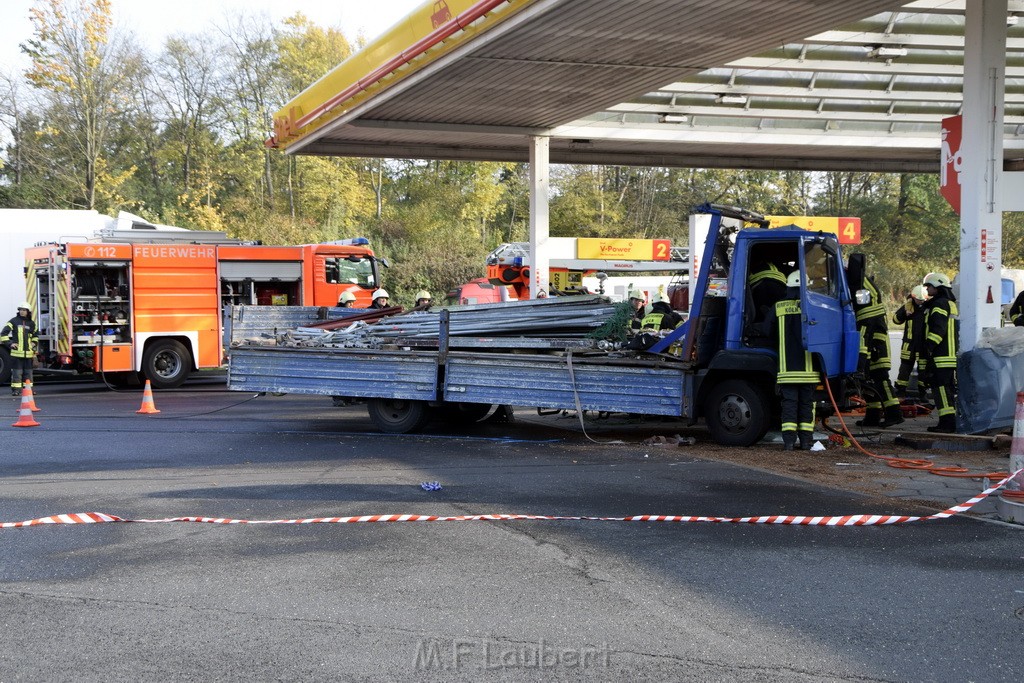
(731, 99)
(882, 52)
(673, 118)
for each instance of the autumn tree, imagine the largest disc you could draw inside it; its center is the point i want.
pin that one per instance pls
(84, 68)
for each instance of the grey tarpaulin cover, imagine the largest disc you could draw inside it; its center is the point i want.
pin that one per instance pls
(989, 377)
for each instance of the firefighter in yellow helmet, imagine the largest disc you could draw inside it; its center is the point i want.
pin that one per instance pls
(20, 337)
(911, 316)
(939, 348)
(796, 374)
(423, 299)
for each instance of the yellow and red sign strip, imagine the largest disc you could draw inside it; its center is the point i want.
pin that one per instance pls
(799, 520)
(623, 249)
(435, 28)
(846, 228)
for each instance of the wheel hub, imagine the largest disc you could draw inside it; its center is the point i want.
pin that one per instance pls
(734, 413)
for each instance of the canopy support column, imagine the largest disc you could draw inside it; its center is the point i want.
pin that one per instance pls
(981, 202)
(539, 225)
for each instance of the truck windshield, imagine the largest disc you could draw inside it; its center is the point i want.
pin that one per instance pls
(350, 271)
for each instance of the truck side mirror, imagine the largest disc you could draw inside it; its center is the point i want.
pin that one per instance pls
(862, 297)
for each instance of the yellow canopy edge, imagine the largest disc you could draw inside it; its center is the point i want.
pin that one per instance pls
(431, 31)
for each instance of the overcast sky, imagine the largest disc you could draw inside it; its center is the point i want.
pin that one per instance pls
(153, 20)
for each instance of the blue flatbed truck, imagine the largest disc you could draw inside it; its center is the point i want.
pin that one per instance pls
(719, 366)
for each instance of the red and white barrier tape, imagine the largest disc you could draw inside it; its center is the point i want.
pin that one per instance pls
(841, 520)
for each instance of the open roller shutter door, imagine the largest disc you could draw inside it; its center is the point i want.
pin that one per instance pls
(260, 271)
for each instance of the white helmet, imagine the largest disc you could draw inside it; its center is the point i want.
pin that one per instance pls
(918, 293)
(25, 305)
(346, 297)
(423, 294)
(936, 280)
(637, 294)
(794, 279)
(381, 294)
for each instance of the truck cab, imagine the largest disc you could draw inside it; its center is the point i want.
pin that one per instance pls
(729, 342)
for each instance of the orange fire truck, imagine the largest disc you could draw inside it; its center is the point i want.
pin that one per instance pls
(152, 301)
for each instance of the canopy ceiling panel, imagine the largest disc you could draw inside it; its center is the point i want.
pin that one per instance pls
(825, 84)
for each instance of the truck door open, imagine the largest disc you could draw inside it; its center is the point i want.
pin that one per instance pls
(820, 295)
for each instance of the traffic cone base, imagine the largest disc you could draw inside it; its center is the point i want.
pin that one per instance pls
(148, 407)
(25, 418)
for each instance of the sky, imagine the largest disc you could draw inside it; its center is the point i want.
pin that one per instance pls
(153, 20)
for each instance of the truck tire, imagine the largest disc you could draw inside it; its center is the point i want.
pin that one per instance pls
(5, 366)
(166, 363)
(737, 413)
(398, 416)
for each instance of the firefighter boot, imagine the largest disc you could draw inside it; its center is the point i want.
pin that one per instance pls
(893, 416)
(872, 418)
(788, 440)
(806, 440)
(947, 425)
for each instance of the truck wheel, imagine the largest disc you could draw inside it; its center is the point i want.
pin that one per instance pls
(737, 413)
(166, 363)
(398, 416)
(5, 366)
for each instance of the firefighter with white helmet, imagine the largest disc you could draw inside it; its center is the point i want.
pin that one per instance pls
(423, 299)
(939, 348)
(911, 316)
(380, 298)
(661, 317)
(637, 301)
(20, 337)
(347, 299)
(796, 375)
(883, 408)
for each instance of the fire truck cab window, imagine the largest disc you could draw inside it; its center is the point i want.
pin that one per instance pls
(350, 271)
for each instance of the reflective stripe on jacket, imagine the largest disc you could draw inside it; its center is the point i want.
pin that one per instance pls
(795, 364)
(942, 324)
(20, 331)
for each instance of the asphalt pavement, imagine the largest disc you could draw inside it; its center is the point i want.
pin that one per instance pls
(528, 600)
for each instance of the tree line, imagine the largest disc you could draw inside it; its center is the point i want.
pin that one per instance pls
(97, 122)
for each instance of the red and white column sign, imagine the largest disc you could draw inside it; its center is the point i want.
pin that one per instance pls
(951, 160)
(984, 245)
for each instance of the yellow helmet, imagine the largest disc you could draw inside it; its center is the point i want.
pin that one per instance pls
(423, 294)
(637, 294)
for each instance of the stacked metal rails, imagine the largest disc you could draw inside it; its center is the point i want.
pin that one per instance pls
(563, 322)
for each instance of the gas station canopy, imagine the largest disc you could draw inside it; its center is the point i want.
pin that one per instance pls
(829, 84)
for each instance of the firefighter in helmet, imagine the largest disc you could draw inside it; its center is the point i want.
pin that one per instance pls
(423, 299)
(380, 298)
(661, 317)
(20, 338)
(796, 374)
(347, 299)
(939, 348)
(883, 409)
(911, 316)
(637, 301)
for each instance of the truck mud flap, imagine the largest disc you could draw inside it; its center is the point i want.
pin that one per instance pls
(337, 372)
(544, 382)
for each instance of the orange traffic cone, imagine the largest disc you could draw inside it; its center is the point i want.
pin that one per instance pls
(25, 418)
(31, 398)
(148, 407)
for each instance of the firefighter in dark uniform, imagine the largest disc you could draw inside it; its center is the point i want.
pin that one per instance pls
(1017, 311)
(636, 302)
(767, 286)
(661, 317)
(911, 316)
(20, 338)
(939, 348)
(874, 344)
(796, 376)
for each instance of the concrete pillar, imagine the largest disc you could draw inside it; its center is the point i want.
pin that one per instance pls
(540, 184)
(981, 211)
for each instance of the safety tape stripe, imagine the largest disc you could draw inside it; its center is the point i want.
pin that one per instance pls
(838, 520)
